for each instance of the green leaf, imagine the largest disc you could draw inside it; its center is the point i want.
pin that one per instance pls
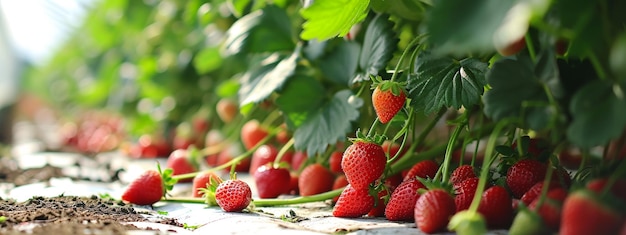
(516, 91)
(266, 30)
(460, 26)
(406, 9)
(227, 88)
(378, 46)
(207, 60)
(239, 7)
(444, 82)
(340, 64)
(330, 124)
(599, 114)
(328, 18)
(300, 98)
(258, 84)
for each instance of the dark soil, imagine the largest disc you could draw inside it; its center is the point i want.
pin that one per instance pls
(70, 215)
(11, 173)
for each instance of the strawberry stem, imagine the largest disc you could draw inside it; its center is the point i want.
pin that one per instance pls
(298, 200)
(404, 53)
(545, 186)
(283, 150)
(232, 161)
(484, 171)
(450, 148)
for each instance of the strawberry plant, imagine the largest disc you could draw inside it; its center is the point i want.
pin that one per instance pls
(505, 85)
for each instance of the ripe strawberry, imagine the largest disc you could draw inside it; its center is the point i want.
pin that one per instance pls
(227, 110)
(263, 155)
(378, 210)
(465, 193)
(339, 182)
(271, 182)
(401, 204)
(433, 210)
(585, 212)
(388, 99)
(535, 191)
(293, 184)
(252, 133)
(315, 179)
(335, 162)
(618, 189)
(424, 169)
(201, 180)
(233, 195)
(496, 207)
(550, 210)
(363, 162)
(512, 48)
(147, 189)
(298, 160)
(462, 173)
(523, 175)
(231, 151)
(183, 161)
(353, 203)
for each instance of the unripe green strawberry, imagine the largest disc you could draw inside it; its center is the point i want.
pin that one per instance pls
(363, 162)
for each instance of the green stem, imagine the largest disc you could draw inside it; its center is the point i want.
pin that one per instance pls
(531, 47)
(404, 138)
(450, 149)
(597, 66)
(372, 127)
(401, 59)
(233, 161)
(298, 200)
(271, 118)
(545, 186)
(283, 150)
(484, 172)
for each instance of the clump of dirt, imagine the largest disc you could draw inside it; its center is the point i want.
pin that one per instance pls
(11, 173)
(70, 215)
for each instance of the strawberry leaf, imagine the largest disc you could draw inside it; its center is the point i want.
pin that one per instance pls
(378, 46)
(266, 30)
(444, 82)
(516, 91)
(475, 32)
(598, 114)
(258, 84)
(329, 125)
(328, 18)
(341, 63)
(296, 109)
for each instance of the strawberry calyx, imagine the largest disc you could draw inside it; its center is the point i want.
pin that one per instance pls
(168, 181)
(396, 88)
(360, 137)
(432, 184)
(468, 223)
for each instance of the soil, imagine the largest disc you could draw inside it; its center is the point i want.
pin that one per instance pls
(67, 214)
(70, 215)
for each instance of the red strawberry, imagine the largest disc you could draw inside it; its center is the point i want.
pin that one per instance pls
(233, 195)
(618, 189)
(183, 161)
(201, 180)
(496, 207)
(252, 133)
(523, 175)
(424, 169)
(388, 99)
(263, 155)
(271, 182)
(535, 191)
(550, 210)
(401, 204)
(147, 189)
(340, 182)
(353, 203)
(298, 160)
(335, 162)
(465, 193)
(378, 210)
(315, 179)
(363, 162)
(462, 173)
(293, 184)
(433, 210)
(585, 212)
